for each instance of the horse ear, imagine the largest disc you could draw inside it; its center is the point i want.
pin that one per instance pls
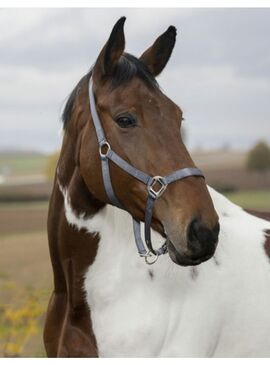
(157, 56)
(112, 50)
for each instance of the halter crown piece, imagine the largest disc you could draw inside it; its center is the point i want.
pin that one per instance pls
(155, 185)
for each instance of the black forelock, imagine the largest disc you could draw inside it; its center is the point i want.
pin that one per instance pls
(127, 67)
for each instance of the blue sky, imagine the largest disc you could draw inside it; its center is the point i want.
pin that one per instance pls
(219, 72)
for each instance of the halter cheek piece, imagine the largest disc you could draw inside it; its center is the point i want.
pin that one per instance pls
(156, 185)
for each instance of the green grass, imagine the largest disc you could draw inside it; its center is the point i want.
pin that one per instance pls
(24, 206)
(23, 164)
(25, 288)
(252, 199)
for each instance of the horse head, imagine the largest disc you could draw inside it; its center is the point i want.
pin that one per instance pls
(143, 126)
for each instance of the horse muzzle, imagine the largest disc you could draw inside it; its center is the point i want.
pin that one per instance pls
(201, 243)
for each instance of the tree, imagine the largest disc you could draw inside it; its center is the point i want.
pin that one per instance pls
(259, 157)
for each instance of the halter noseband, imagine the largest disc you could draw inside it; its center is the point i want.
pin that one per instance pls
(155, 185)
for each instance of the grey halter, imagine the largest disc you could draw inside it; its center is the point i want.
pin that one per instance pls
(155, 185)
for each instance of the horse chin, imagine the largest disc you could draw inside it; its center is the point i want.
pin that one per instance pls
(182, 259)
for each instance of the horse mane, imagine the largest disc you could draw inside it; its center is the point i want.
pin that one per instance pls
(128, 67)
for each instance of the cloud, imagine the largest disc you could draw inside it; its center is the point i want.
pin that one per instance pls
(67, 37)
(219, 72)
(220, 106)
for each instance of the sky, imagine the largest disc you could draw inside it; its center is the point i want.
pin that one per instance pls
(219, 72)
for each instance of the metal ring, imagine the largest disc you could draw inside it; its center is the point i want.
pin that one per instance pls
(104, 143)
(146, 258)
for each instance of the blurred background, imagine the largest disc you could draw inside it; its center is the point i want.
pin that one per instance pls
(219, 74)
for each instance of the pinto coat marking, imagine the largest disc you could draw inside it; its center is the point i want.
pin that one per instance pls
(173, 315)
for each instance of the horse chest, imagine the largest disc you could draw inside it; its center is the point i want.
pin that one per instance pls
(137, 310)
(134, 314)
(167, 312)
(125, 302)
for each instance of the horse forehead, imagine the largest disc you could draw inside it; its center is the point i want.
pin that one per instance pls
(136, 91)
(149, 103)
(149, 99)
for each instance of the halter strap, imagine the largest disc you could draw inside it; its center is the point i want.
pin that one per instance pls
(156, 185)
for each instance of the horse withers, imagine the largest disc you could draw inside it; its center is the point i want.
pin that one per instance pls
(123, 156)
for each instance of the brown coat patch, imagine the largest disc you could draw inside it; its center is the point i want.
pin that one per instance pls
(266, 216)
(267, 243)
(68, 328)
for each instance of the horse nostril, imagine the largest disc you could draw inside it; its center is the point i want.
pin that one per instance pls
(202, 240)
(193, 231)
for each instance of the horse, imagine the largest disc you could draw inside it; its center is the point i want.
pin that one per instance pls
(199, 284)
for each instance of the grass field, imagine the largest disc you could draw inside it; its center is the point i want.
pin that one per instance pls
(25, 278)
(22, 163)
(252, 199)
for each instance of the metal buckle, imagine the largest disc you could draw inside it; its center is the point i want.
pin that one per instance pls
(157, 180)
(104, 144)
(149, 255)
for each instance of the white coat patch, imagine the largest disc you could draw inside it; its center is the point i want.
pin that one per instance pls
(223, 313)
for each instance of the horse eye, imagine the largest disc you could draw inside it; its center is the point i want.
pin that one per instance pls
(126, 121)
